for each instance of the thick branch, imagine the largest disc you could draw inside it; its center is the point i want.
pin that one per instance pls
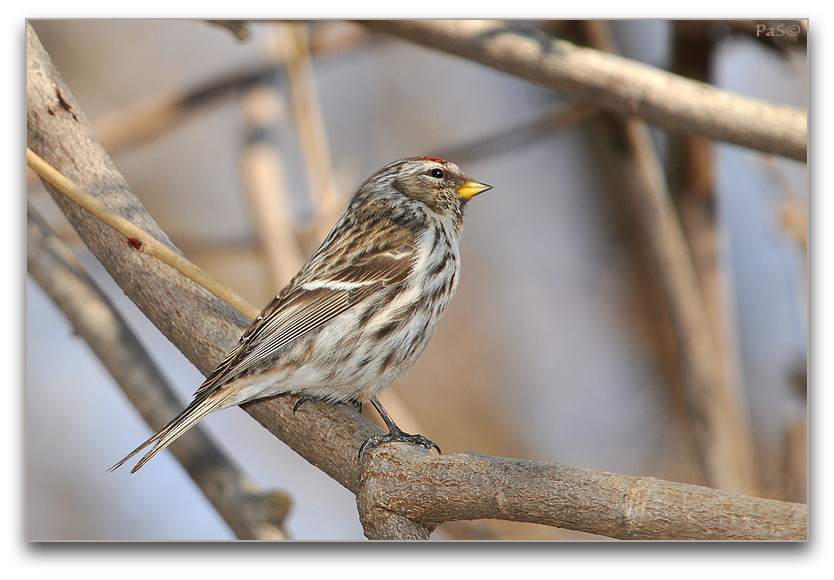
(614, 83)
(473, 486)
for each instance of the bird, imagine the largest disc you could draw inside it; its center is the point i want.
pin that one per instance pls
(359, 313)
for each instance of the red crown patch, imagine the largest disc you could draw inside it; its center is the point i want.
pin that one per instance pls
(435, 159)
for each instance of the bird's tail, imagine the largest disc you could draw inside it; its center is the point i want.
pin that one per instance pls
(196, 410)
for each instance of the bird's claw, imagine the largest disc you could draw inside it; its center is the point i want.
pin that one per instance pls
(398, 436)
(301, 399)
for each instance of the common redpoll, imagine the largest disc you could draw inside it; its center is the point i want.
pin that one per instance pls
(359, 312)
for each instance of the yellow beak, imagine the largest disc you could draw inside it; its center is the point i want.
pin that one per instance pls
(471, 188)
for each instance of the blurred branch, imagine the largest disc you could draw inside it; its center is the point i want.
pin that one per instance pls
(266, 186)
(691, 185)
(715, 410)
(795, 462)
(155, 116)
(467, 486)
(793, 210)
(559, 118)
(250, 513)
(329, 436)
(146, 120)
(309, 123)
(613, 83)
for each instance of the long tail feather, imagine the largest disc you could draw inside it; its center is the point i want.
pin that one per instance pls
(195, 411)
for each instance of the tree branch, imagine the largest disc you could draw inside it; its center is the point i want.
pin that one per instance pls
(472, 486)
(613, 83)
(249, 512)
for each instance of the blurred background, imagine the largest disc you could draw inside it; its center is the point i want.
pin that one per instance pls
(556, 347)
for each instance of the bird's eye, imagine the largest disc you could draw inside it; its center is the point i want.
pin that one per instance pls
(438, 173)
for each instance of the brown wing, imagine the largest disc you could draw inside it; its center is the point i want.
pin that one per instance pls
(310, 301)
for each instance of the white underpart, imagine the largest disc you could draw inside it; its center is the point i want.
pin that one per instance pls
(351, 381)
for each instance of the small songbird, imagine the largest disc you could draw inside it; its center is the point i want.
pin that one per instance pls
(359, 312)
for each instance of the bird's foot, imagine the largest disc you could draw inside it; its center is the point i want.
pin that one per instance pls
(397, 435)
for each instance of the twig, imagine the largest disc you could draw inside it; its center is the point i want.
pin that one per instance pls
(250, 513)
(136, 236)
(613, 83)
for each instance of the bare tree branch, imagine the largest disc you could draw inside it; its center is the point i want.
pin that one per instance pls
(472, 486)
(613, 83)
(249, 512)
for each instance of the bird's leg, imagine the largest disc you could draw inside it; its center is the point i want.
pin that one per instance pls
(394, 433)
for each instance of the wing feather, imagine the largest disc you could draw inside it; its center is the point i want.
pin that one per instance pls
(311, 301)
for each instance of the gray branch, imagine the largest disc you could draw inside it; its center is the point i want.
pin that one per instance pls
(614, 83)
